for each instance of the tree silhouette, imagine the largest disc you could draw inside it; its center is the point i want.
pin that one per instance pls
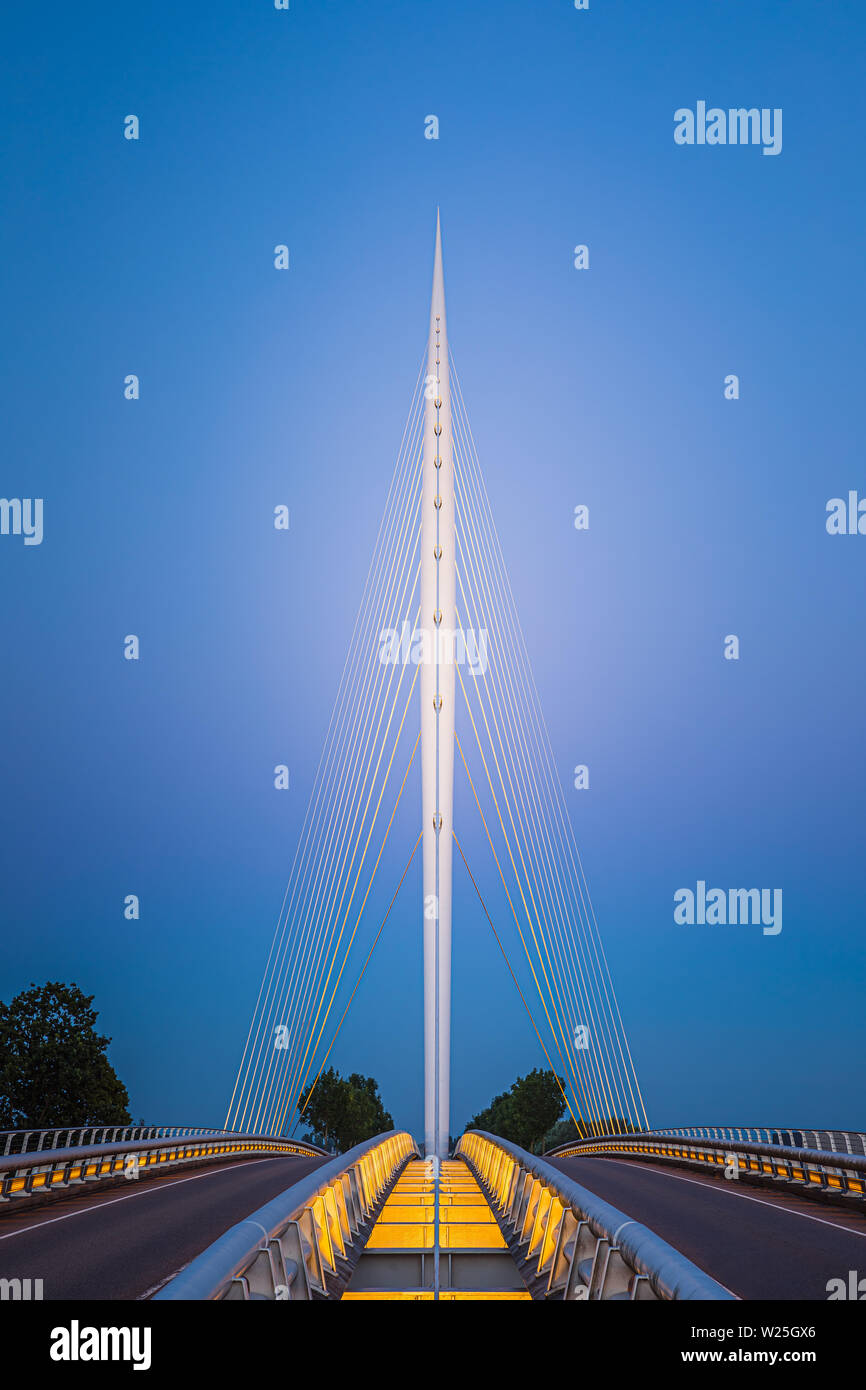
(342, 1111)
(524, 1113)
(53, 1067)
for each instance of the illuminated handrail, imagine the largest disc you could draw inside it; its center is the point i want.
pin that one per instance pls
(20, 1141)
(839, 1141)
(579, 1245)
(834, 1174)
(35, 1174)
(295, 1246)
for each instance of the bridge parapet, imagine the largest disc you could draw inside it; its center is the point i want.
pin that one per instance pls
(33, 1176)
(299, 1245)
(831, 1140)
(581, 1246)
(831, 1173)
(22, 1141)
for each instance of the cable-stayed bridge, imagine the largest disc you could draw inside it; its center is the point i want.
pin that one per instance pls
(438, 671)
(437, 684)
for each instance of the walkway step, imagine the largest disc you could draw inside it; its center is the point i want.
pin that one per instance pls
(436, 1238)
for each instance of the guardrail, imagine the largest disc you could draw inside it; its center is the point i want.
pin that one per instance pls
(21, 1141)
(580, 1246)
(296, 1246)
(832, 1140)
(34, 1176)
(814, 1170)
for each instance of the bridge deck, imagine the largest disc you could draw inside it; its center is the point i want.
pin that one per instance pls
(436, 1238)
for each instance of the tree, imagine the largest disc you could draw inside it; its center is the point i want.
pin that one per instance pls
(566, 1131)
(53, 1067)
(343, 1111)
(563, 1132)
(526, 1112)
(497, 1118)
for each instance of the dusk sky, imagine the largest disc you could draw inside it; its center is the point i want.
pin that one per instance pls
(602, 387)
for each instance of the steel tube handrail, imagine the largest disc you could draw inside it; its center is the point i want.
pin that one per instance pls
(42, 1158)
(39, 1175)
(117, 1133)
(211, 1274)
(669, 1273)
(771, 1134)
(825, 1158)
(829, 1175)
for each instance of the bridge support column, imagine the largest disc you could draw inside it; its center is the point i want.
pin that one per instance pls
(438, 618)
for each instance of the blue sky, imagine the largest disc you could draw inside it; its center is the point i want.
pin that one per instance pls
(602, 387)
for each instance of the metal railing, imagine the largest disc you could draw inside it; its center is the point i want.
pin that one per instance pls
(296, 1246)
(576, 1245)
(843, 1141)
(824, 1140)
(814, 1170)
(33, 1175)
(21, 1141)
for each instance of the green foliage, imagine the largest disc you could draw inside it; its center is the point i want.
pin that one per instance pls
(526, 1112)
(566, 1131)
(53, 1067)
(343, 1111)
(563, 1132)
(614, 1125)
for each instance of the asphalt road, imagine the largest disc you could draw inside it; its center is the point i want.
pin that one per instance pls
(758, 1243)
(126, 1244)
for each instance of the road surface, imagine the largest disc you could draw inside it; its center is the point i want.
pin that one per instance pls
(127, 1244)
(758, 1242)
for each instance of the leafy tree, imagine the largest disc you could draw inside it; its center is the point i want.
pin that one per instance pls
(496, 1119)
(526, 1112)
(561, 1133)
(53, 1067)
(566, 1131)
(343, 1111)
(615, 1125)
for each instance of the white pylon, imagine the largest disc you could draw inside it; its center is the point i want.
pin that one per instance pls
(438, 617)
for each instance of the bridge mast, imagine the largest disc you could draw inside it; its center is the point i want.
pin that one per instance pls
(437, 718)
